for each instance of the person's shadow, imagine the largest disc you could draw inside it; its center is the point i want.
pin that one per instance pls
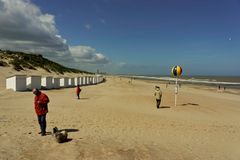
(83, 98)
(189, 104)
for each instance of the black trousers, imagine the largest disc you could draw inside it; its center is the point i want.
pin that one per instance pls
(78, 95)
(158, 101)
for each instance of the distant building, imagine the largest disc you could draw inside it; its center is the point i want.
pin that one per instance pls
(56, 82)
(23, 83)
(16, 82)
(80, 81)
(87, 80)
(34, 82)
(99, 78)
(90, 80)
(83, 80)
(47, 82)
(71, 82)
(64, 82)
(76, 81)
(95, 80)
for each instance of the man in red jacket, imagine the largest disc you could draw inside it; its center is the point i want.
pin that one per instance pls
(41, 108)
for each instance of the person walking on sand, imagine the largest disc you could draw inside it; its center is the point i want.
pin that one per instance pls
(41, 108)
(78, 90)
(158, 96)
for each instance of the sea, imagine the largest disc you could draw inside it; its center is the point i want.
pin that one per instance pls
(232, 82)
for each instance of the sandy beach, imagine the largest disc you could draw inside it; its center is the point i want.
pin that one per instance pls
(119, 51)
(117, 120)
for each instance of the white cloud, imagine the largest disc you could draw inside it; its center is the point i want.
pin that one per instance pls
(87, 54)
(24, 27)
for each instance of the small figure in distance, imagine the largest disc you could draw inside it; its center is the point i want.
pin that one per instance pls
(41, 108)
(158, 96)
(78, 90)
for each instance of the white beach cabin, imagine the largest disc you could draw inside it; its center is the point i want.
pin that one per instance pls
(94, 80)
(83, 80)
(80, 81)
(64, 82)
(71, 82)
(87, 80)
(34, 82)
(99, 78)
(16, 82)
(90, 80)
(47, 82)
(56, 82)
(76, 81)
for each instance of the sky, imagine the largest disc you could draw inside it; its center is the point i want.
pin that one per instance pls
(144, 37)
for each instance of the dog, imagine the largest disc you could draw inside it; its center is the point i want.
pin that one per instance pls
(60, 135)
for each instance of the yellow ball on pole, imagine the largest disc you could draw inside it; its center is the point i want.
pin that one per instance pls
(176, 71)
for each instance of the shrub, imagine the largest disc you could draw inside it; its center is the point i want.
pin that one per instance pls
(16, 65)
(3, 64)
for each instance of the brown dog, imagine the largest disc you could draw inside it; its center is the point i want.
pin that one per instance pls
(60, 136)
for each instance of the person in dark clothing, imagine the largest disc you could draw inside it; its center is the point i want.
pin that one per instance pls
(78, 90)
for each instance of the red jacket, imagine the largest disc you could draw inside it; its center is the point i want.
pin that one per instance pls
(41, 102)
(78, 90)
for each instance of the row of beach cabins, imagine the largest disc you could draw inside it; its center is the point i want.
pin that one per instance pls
(25, 83)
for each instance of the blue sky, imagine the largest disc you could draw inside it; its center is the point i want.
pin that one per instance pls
(148, 36)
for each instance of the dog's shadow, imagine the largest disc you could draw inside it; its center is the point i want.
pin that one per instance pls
(70, 130)
(67, 140)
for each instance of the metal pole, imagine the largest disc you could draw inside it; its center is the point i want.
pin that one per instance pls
(176, 92)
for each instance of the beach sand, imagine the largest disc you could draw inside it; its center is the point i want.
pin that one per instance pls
(117, 120)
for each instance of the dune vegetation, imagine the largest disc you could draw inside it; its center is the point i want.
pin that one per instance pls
(21, 61)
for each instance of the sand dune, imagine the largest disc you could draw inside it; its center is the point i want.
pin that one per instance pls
(117, 120)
